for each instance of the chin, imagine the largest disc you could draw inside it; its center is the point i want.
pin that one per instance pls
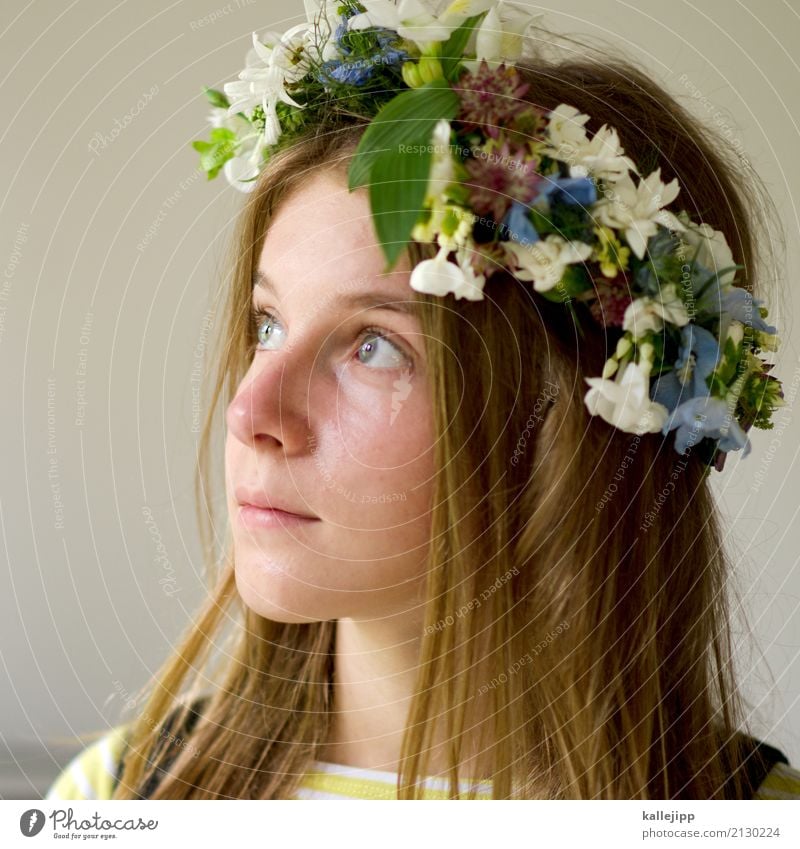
(262, 593)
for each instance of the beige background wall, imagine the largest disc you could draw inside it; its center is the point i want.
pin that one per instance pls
(110, 240)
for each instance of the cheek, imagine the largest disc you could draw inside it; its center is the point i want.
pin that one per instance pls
(386, 426)
(381, 442)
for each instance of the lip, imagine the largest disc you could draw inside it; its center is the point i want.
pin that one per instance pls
(260, 497)
(259, 509)
(266, 517)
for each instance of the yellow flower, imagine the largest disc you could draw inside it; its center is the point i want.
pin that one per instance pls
(611, 255)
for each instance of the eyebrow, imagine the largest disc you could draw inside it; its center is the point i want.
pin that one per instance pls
(367, 299)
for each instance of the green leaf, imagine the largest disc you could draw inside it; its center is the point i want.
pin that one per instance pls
(453, 49)
(397, 192)
(574, 281)
(407, 119)
(217, 98)
(214, 154)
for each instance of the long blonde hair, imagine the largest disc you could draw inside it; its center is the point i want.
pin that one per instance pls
(568, 596)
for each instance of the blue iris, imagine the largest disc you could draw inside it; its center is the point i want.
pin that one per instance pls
(742, 306)
(569, 190)
(737, 302)
(519, 224)
(667, 389)
(358, 71)
(706, 417)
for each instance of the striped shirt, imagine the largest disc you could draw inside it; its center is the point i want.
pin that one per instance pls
(92, 773)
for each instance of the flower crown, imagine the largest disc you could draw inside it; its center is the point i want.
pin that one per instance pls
(454, 155)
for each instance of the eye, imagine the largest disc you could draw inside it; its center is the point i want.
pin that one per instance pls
(370, 350)
(376, 351)
(265, 328)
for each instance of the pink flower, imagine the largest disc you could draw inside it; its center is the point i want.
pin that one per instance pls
(491, 98)
(500, 175)
(613, 298)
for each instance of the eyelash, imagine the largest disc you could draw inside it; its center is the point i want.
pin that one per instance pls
(258, 314)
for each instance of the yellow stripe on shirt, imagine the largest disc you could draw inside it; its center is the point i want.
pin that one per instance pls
(91, 775)
(782, 782)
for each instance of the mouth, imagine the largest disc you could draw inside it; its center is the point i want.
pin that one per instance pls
(253, 516)
(259, 510)
(259, 497)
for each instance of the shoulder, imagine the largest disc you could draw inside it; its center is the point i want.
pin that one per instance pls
(781, 782)
(91, 774)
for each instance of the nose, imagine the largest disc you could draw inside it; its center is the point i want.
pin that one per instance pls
(271, 405)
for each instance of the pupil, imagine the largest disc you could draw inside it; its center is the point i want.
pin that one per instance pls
(367, 347)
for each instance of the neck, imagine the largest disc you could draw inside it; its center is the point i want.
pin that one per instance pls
(375, 666)
(375, 671)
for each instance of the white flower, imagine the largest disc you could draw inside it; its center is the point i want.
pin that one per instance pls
(638, 209)
(545, 261)
(247, 161)
(323, 14)
(565, 130)
(625, 401)
(246, 164)
(499, 38)
(439, 276)
(270, 66)
(291, 52)
(448, 225)
(602, 155)
(714, 252)
(442, 171)
(420, 21)
(219, 117)
(646, 313)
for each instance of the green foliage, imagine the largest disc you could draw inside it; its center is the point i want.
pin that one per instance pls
(661, 264)
(217, 98)
(407, 120)
(214, 154)
(291, 117)
(397, 191)
(452, 52)
(572, 222)
(393, 159)
(761, 396)
(734, 359)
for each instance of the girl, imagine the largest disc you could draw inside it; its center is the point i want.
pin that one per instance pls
(442, 576)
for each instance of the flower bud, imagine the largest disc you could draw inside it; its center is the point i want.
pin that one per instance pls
(623, 346)
(609, 368)
(411, 77)
(430, 69)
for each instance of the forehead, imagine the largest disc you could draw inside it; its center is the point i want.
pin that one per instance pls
(321, 244)
(363, 293)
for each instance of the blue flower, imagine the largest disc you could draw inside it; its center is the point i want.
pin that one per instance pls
(702, 417)
(341, 31)
(742, 306)
(385, 36)
(351, 73)
(358, 71)
(569, 190)
(737, 302)
(518, 222)
(660, 249)
(698, 356)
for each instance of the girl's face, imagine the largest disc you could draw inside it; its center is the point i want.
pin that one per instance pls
(333, 421)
